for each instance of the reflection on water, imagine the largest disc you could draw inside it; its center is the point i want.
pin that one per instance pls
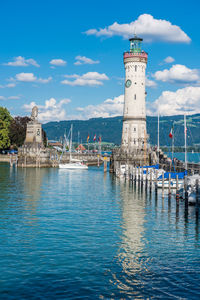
(84, 234)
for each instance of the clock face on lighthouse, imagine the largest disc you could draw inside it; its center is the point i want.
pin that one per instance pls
(128, 83)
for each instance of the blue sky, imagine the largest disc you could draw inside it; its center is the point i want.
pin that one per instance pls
(67, 57)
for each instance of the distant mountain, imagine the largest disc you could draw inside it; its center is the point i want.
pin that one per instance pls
(111, 128)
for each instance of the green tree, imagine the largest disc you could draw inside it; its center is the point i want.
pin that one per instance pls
(17, 130)
(5, 119)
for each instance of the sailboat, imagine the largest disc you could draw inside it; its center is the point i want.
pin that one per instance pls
(73, 163)
(170, 178)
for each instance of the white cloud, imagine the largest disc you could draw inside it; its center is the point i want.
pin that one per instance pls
(26, 77)
(178, 74)
(9, 85)
(185, 100)
(20, 61)
(169, 60)
(83, 60)
(51, 110)
(44, 80)
(58, 62)
(30, 77)
(109, 108)
(89, 79)
(150, 83)
(9, 98)
(147, 27)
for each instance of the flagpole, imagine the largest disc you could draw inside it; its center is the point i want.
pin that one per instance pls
(173, 143)
(158, 135)
(185, 133)
(158, 132)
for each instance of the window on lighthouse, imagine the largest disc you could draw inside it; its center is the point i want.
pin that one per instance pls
(135, 68)
(135, 97)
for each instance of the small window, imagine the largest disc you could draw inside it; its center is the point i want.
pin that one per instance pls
(134, 129)
(135, 97)
(135, 68)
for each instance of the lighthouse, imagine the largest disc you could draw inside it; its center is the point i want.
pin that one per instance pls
(134, 116)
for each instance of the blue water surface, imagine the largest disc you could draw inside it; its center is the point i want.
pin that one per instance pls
(87, 235)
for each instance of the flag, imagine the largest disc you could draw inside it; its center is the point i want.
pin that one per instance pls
(88, 138)
(99, 139)
(94, 138)
(171, 132)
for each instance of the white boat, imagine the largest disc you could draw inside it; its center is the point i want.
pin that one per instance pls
(74, 164)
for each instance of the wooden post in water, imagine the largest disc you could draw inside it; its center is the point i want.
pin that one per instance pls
(163, 184)
(150, 177)
(98, 160)
(177, 190)
(186, 192)
(156, 181)
(132, 173)
(197, 193)
(146, 183)
(138, 174)
(135, 177)
(169, 185)
(142, 176)
(105, 165)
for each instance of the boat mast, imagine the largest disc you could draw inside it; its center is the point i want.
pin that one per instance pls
(173, 144)
(158, 135)
(70, 146)
(185, 135)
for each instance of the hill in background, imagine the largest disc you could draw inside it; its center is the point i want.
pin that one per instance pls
(111, 128)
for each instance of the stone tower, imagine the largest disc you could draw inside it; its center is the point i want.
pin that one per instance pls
(134, 117)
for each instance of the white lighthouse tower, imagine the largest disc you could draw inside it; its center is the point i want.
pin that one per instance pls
(134, 117)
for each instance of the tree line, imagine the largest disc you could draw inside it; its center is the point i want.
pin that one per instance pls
(13, 130)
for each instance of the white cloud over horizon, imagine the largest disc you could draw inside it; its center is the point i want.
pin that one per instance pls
(30, 77)
(182, 101)
(20, 61)
(178, 74)
(52, 110)
(83, 60)
(146, 26)
(87, 79)
(58, 62)
(109, 108)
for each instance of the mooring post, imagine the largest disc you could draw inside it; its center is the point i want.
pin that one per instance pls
(98, 160)
(177, 188)
(138, 174)
(186, 192)
(150, 177)
(169, 184)
(156, 182)
(135, 178)
(163, 184)
(146, 183)
(142, 176)
(105, 165)
(132, 173)
(197, 193)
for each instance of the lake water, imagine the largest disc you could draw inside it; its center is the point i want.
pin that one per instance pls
(85, 235)
(191, 157)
